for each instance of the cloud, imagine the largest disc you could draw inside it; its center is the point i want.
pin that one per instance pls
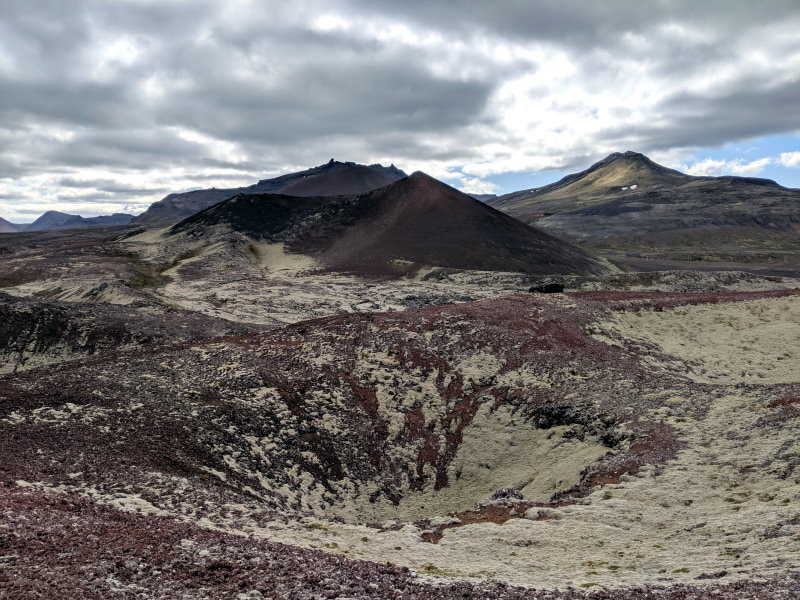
(712, 167)
(790, 159)
(156, 96)
(474, 185)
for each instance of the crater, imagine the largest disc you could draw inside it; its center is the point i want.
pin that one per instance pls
(501, 454)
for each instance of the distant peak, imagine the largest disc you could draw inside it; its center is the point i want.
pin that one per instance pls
(336, 163)
(628, 158)
(628, 155)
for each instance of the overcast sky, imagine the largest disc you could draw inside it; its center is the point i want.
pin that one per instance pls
(108, 105)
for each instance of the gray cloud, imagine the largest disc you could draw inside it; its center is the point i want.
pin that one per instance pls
(134, 99)
(108, 186)
(576, 23)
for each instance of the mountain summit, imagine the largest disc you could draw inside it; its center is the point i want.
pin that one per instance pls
(416, 221)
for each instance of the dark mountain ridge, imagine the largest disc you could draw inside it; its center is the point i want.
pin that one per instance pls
(332, 178)
(54, 219)
(7, 226)
(416, 221)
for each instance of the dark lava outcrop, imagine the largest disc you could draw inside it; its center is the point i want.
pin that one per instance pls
(414, 222)
(330, 179)
(35, 333)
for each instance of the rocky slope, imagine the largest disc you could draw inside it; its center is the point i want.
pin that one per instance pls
(627, 202)
(412, 223)
(329, 179)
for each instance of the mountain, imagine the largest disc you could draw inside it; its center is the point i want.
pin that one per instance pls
(7, 227)
(627, 201)
(416, 221)
(54, 219)
(484, 197)
(330, 179)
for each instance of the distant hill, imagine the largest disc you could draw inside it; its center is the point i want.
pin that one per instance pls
(7, 227)
(413, 222)
(628, 202)
(330, 179)
(54, 219)
(484, 197)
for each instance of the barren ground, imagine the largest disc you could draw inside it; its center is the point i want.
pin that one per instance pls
(166, 439)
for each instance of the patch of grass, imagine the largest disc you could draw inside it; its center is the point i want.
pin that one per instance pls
(178, 260)
(253, 250)
(681, 570)
(147, 276)
(431, 569)
(321, 527)
(52, 293)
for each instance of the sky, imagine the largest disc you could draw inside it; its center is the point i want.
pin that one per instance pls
(107, 106)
